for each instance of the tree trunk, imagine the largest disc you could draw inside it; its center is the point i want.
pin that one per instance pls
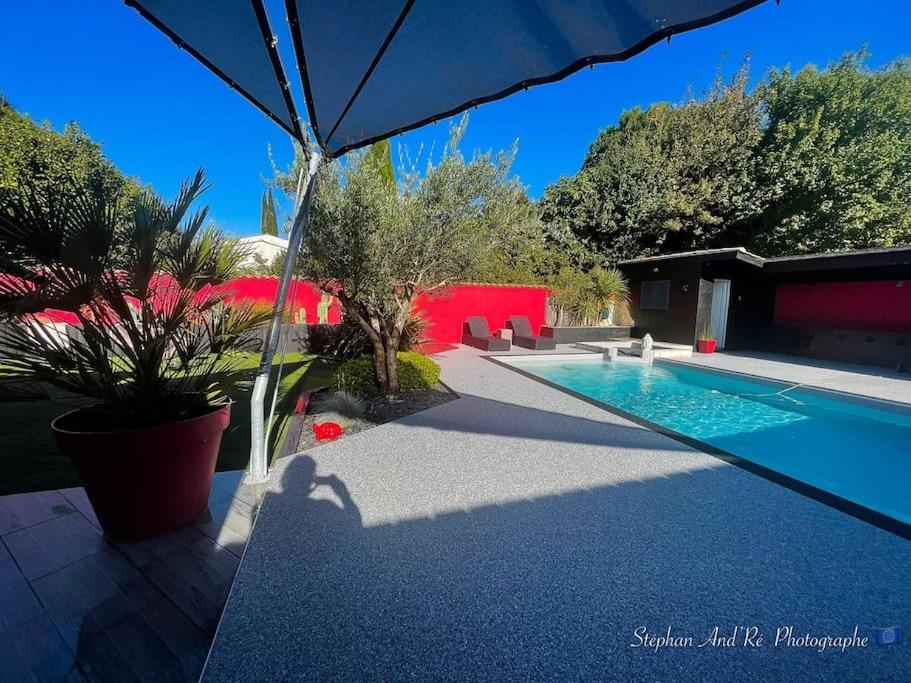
(392, 372)
(373, 329)
(379, 365)
(392, 364)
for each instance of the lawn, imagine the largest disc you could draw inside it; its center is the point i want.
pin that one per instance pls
(29, 460)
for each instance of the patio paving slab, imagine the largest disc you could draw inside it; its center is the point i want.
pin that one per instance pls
(35, 651)
(74, 607)
(18, 603)
(46, 547)
(22, 510)
(518, 533)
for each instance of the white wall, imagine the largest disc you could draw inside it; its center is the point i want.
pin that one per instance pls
(266, 247)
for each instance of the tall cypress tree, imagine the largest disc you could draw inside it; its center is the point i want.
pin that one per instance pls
(268, 220)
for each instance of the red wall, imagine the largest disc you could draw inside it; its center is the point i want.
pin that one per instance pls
(881, 305)
(264, 290)
(447, 310)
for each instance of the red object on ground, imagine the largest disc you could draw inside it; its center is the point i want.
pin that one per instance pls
(884, 305)
(302, 402)
(447, 309)
(145, 482)
(327, 431)
(706, 345)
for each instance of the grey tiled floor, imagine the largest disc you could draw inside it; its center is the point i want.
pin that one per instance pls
(74, 607)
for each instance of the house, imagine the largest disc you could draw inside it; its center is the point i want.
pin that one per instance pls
(848, 306)
(262, 249)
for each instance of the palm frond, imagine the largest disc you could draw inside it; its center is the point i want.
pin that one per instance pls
(154, 340)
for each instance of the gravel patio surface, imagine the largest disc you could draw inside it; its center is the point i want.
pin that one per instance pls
(518, 533)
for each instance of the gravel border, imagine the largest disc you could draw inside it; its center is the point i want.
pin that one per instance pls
(378, 411)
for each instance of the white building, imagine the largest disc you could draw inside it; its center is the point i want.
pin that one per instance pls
(265, 247)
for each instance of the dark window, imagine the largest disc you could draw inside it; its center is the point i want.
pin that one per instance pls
(655, 294)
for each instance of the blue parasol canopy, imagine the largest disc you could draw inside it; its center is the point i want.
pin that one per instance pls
(372, 69)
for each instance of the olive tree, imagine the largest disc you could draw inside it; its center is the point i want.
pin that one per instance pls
(377, 242)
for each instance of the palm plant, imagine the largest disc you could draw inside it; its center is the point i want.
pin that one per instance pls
(606, 287)
(566, 287)
(582, 299)
(157, 337)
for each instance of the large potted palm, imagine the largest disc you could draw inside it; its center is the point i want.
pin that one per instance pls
(152, 347)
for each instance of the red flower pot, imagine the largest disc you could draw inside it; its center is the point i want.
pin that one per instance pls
(706, 345)
(148, 481)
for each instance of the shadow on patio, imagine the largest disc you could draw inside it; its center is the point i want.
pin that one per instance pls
(473, 414)
(554, 586)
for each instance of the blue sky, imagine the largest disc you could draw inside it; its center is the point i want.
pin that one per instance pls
(160, 114)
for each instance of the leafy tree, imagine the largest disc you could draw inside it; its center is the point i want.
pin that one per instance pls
(259, 266)
(37, 155)
(666, 178)
(836, 158)
(377, 245)
(58, 165)
(522, 250)
(818, 160)
(268, 219)
(379, 157)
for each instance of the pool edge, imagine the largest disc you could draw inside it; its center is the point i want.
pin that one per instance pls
(856, 510)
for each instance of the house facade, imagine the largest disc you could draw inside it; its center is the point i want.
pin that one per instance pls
(264, 248)
(848, 306)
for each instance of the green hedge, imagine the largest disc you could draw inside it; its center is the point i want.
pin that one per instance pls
(415, 372)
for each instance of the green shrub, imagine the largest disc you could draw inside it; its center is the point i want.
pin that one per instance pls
(415, 372)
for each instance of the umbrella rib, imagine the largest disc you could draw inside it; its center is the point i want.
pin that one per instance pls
(373, 64)
(298, 41)
(269, 41)
(294, 128)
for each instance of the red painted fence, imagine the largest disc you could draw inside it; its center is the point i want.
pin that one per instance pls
(447, 310)
(884, 305)
(263, 290)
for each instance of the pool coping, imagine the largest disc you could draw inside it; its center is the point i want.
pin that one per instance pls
(801, 387)
(849, 507)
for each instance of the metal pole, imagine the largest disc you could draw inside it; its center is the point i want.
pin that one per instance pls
(258, 470)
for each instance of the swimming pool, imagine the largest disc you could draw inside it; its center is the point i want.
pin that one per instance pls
(857, 450)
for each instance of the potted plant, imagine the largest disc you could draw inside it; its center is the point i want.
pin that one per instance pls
(706, 342)
(152, 354)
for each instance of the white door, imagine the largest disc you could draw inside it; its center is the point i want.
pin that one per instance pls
(721, 297)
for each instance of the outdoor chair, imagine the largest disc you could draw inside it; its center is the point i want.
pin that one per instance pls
(524, 337)
(476, 333)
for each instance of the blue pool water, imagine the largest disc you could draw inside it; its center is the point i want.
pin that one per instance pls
(855, 451)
